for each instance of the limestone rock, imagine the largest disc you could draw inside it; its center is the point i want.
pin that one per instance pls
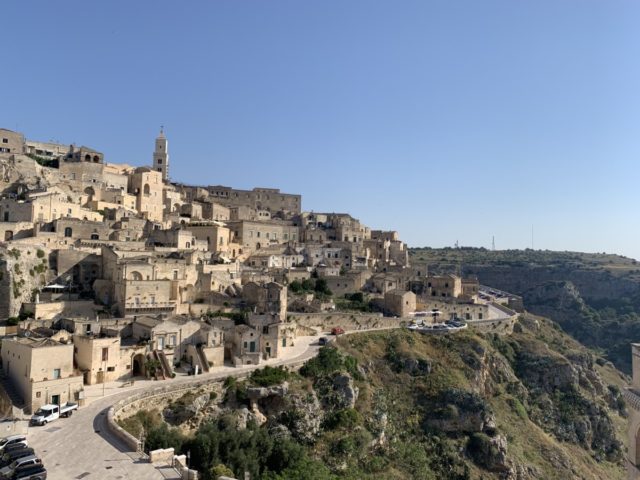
(303, 417)
(346, 393)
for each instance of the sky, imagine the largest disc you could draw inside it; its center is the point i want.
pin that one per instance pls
(447, 120)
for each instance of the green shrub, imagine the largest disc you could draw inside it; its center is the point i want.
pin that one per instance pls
(347, 418)
(518, 407)
(481, 449)
(268, 376)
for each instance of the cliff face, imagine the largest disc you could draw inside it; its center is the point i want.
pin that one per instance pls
(593, 297)
(23, 269)
(592, 284)
(398, 404)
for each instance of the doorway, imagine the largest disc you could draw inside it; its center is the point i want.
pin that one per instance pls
(55, 399)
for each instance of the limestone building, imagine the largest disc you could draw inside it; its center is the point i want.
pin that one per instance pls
(42, 371)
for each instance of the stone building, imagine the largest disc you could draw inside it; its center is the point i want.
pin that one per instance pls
(632, 397)
(253, 236)
(105, 359)
(11, 142)
(147, 186)
(41, 369)
(444, 286)
(269, 199)
(269, 298)
(400, 303)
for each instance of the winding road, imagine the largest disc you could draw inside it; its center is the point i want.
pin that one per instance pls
(81, 447)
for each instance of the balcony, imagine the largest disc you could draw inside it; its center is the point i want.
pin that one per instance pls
(140, 307)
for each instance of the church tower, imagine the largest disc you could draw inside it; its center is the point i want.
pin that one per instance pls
(161, 156)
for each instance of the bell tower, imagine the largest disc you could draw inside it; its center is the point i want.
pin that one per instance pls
(161, 155)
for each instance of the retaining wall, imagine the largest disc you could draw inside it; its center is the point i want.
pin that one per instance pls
(167, 391)
(348, 321)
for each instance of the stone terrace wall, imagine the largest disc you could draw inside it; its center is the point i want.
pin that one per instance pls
(348, 321)
(502, 326)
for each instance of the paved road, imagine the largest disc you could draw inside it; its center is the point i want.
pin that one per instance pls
(80, 447)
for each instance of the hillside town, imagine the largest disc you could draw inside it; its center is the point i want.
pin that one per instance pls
(111, 272)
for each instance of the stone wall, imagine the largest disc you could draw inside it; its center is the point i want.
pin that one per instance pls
(503, 326)
(347, 321)
(54, 310)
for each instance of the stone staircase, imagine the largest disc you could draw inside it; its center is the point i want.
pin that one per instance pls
(203, 359)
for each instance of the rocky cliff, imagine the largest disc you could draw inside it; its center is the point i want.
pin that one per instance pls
(23, 270)
(398, 404)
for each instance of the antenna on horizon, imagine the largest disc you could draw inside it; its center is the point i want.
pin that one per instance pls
(493, 243)
(532, 237)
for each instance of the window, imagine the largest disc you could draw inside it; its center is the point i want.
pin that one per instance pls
(159, 161)
(105, 354)
(5, 140)
(56, 373)
(284, 342)
(38, 394)
(265, 330)
(111, 369)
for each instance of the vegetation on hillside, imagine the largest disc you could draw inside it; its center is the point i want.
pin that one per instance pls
(398, 404)
(595, 297)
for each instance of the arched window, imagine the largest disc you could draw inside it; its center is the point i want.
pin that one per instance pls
(146, 190)
(135, 276)
(68, 232)
(96, 159)
(87, 158)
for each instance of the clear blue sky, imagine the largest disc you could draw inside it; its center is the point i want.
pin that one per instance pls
(445, 120)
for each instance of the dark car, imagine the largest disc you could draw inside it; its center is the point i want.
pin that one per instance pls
(30, 472)
(14, 448)
(9, 457)
(323, 341)
(8, 442)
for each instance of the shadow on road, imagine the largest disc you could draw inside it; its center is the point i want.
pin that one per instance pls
(100, 427)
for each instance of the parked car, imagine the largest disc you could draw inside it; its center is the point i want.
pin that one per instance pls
(13, 440)
(51, 412)
(7, 471)
(12, 455)
(337, 331)
(323, 341)
(30, 472)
